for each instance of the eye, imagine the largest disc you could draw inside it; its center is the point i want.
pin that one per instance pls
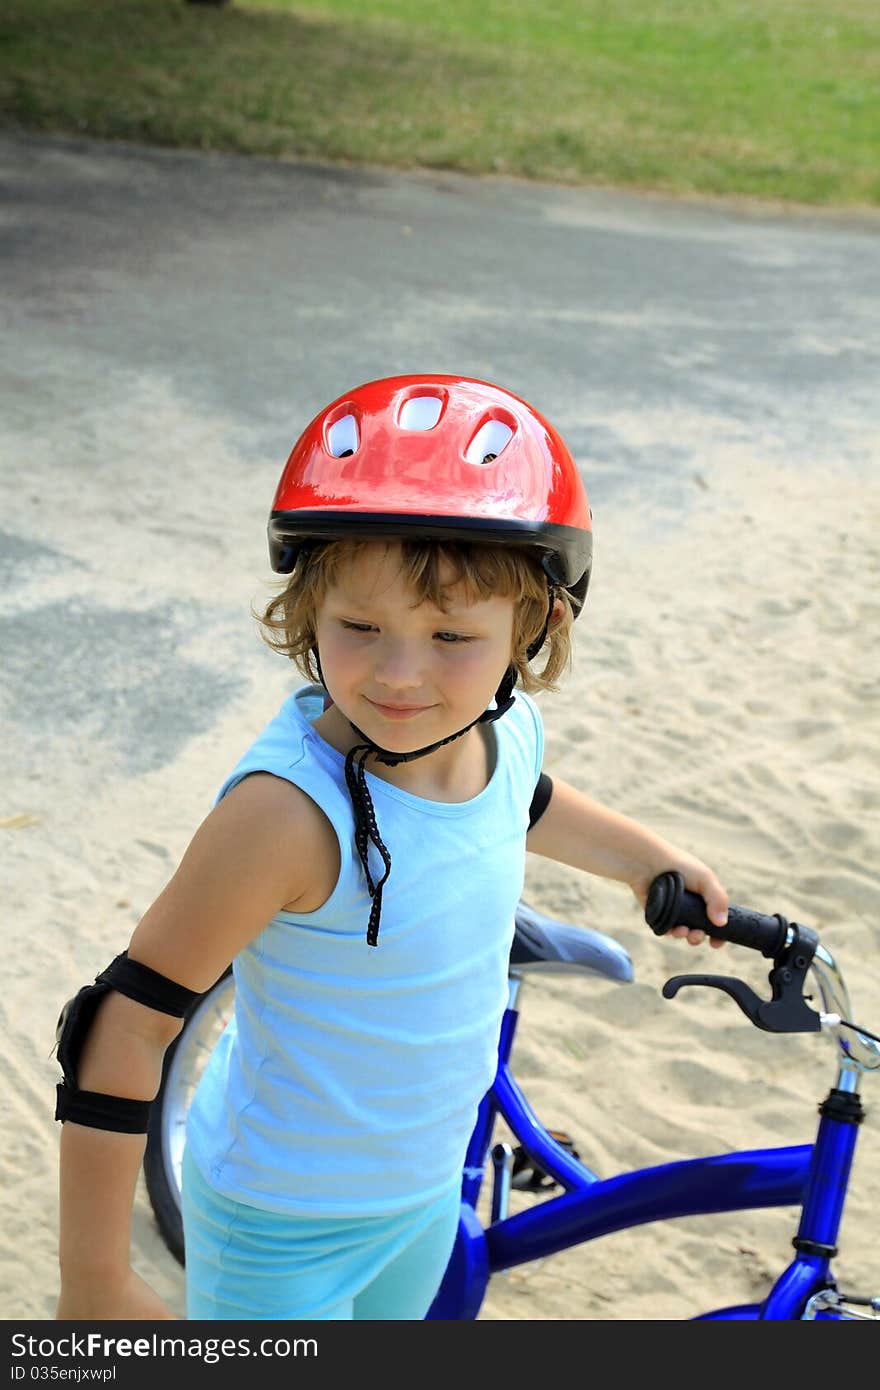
(451, 637)
(356, 627)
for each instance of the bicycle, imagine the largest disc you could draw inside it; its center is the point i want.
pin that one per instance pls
(813, 1177)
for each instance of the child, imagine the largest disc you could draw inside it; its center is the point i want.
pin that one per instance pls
(361, 868)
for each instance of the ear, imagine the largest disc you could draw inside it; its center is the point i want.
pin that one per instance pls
(557, 614)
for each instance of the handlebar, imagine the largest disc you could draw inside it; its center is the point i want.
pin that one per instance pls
(671, 905)
(793, 949)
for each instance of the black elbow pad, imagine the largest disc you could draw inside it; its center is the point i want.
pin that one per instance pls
(140, 983)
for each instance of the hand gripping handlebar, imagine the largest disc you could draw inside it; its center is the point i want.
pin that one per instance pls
(670, 905)
(790, 946)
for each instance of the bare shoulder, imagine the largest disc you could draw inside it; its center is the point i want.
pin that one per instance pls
(264, 805)
(265, 847)
(302, 836)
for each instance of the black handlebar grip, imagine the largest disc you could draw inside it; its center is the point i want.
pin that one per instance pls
(671, 905)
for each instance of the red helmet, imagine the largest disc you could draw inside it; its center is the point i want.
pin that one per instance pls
(446, 457)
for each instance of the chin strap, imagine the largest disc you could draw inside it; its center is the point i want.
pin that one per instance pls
(366, 831)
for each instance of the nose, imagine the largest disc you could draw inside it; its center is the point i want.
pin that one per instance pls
(398, 665)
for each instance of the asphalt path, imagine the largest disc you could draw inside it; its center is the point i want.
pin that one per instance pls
(172, 319)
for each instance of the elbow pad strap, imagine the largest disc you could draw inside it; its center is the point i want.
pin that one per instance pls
(98, 1111)
(146, 987)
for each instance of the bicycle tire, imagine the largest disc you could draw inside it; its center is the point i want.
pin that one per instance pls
(184, 1061)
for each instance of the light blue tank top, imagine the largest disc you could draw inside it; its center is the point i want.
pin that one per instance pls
(348, 1080)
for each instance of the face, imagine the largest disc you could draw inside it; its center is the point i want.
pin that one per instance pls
(407, 673)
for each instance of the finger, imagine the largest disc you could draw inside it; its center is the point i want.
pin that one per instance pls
(716, 906)
(714, 896)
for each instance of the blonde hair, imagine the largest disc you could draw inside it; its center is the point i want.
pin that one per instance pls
(289, 620)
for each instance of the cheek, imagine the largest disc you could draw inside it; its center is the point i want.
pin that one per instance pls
(336, 651)
(482, 666)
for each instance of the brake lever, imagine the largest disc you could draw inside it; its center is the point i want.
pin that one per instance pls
(787, 1010)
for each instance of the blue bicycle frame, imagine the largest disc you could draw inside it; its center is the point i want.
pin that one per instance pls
(814, 1176)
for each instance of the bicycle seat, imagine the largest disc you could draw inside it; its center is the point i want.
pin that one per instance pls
(542, 944)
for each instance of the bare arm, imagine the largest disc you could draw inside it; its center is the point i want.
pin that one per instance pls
(578, 831)
(262, 848)
(99, 1168)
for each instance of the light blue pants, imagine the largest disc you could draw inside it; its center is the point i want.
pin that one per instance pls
(244, 1263)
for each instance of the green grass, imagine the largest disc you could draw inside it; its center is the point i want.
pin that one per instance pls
(773, 99)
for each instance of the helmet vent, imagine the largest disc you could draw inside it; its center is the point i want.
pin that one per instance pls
(420, 413)
(489, 440)
(343, 438)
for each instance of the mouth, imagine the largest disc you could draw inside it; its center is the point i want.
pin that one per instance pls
(396, 711)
